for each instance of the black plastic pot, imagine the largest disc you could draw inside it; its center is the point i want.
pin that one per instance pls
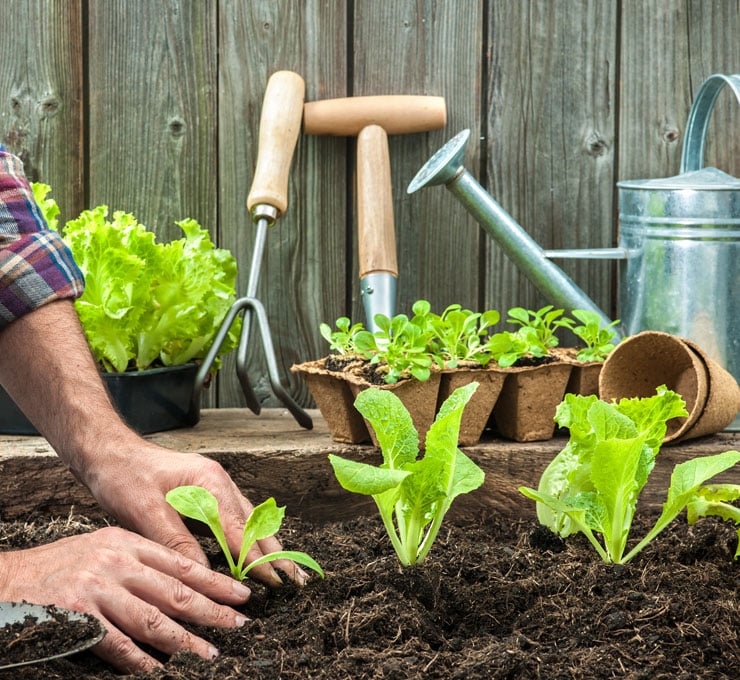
(153, 400)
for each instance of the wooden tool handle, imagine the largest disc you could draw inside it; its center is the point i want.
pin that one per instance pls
(280, 124)
(376, 233)
(396, 114)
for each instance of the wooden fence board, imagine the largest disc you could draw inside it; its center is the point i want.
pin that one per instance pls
(713, 29)
(398, 50)
(41, 93)
(669, 48)
(302, 273)
(550, 137)
(152, 111)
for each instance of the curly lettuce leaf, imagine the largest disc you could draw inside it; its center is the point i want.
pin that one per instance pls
(147, 303)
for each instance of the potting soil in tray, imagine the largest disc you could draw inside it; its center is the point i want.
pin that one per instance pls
(495, 599)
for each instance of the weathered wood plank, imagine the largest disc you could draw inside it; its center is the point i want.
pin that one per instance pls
(551, 95)
(669, 48)
(303, 271)
(713, 28)
(269, 455)
(152, 111)
(432, 48)
(41, 91)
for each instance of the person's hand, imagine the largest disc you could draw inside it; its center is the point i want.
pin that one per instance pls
(136, 587)
(132, 483)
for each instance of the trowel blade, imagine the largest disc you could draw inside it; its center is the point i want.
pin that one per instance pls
(17, 612)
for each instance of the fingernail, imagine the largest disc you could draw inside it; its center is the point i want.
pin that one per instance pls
(301, 577)
(240, 590)
(212, 652)
(240, 620)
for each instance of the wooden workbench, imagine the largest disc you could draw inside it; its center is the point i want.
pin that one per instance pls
(270, 455)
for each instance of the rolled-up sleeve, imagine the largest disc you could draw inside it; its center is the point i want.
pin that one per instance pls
(36, 267)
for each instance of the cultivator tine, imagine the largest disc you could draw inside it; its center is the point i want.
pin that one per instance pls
(251, 305)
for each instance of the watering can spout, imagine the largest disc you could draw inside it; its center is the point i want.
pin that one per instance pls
(446, 167)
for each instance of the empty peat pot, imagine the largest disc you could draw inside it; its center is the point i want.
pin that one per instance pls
(645, 361)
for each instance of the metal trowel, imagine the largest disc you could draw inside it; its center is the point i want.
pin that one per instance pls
(18, 612)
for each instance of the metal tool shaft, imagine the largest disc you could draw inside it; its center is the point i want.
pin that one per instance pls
(521, 248)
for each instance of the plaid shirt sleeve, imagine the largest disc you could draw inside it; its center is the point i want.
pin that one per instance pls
(36, 266)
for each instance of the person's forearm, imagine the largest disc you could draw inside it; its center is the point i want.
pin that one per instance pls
(47, 367)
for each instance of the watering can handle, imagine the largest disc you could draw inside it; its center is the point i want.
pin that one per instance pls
(692, 157)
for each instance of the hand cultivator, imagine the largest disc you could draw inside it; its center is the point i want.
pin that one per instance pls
(280, 123)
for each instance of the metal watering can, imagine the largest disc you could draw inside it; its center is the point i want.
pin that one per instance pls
(679, 242)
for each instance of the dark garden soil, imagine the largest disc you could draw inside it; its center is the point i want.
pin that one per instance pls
(495, 599)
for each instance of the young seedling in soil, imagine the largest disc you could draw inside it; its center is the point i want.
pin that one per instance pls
(544, 322)
(599, 340)
(343, 340)
(400, 347)
(507, 348)
(412, 494)
(593, 484)
(715, 500)
(200, 504)
(461, 335)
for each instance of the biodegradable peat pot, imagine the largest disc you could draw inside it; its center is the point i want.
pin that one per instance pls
(479, 408)
(525, 409)
(584, 375)
(152, 400)
(419, 398)
(643, 362)
(335, 400)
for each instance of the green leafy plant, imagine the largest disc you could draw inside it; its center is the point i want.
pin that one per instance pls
(543, 323)
(592, 486)
(401, 347)
(507, 347)
(200, 504)
(461, 335)
(344, 339)
(147, 303)
(599, 340)
(412, 494)
(716, 500)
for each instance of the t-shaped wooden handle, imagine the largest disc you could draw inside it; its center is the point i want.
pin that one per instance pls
(395, 113)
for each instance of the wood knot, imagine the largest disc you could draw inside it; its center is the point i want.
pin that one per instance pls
(177, 127)
(596, 145)
(48, 106)
(670, 135)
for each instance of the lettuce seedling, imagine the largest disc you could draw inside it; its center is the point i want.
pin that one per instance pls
(412, 494)
(716, 500)
(506, 348)
(544, 322)
(344, 339)
(401, 347)
(599, 339)
(461, 335)
(200, 504)
(593, 484)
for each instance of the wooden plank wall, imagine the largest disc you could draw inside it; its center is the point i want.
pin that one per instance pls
(152, 106)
